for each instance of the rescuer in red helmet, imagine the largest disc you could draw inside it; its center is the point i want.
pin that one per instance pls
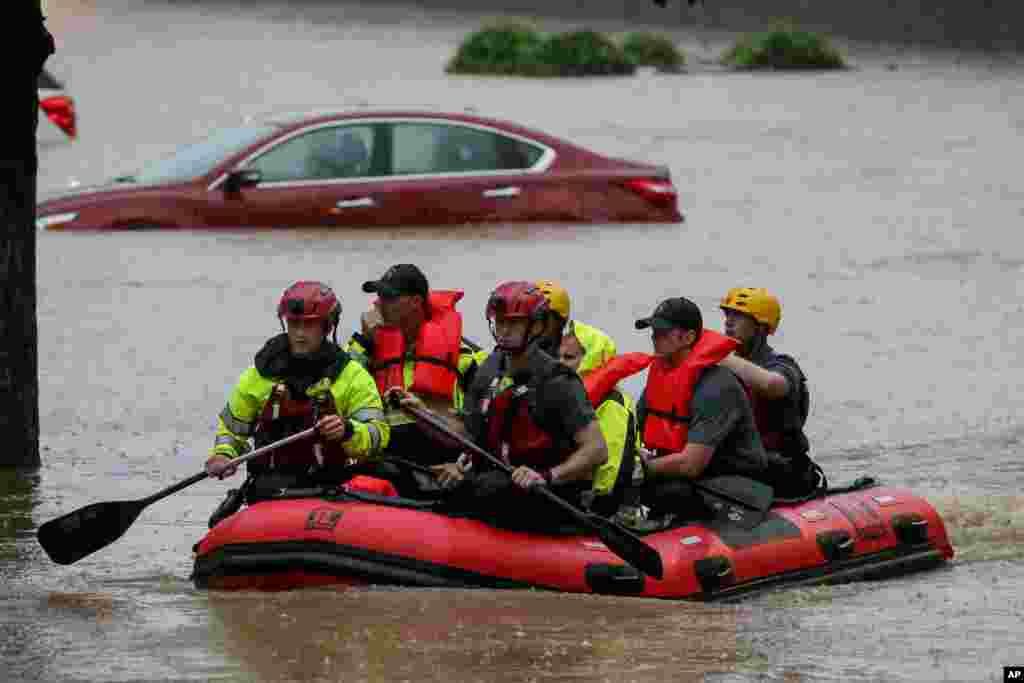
(300, 378)
(528, 409)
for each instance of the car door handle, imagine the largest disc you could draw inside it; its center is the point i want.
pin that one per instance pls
(361, 202)
(498, 192)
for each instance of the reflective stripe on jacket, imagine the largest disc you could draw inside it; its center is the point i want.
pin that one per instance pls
(354, 395)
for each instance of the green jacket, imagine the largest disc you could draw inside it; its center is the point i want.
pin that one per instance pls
(616, 416)
(355, 397)
(617, 420)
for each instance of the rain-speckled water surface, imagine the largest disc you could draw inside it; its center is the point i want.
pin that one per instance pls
(881, 205)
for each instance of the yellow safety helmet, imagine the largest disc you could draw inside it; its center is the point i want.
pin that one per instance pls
(558, 298)
(757, 303)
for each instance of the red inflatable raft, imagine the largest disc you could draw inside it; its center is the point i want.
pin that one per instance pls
(360, 539)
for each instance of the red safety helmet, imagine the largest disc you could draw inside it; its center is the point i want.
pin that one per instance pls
(522, 300)
(517, 300)
(309, 300)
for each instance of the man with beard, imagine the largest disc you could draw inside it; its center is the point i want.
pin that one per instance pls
(301, 378)
(777, 387)
(529, 410)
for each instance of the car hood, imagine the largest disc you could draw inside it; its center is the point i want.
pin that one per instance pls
(78, 197)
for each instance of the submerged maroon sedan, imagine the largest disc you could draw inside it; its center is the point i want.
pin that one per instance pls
(372, 168)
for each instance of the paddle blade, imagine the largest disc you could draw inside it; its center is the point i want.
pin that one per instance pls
(69, 538)
(628, 546)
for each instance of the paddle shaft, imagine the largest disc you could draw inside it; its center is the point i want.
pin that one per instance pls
(433, 421)
(159, 495)
(75, 535)
(408, 463)
(616, 538)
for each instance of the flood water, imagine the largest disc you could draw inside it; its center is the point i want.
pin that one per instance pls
(881, 204)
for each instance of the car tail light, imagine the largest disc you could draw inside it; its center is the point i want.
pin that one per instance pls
(659, 192)
(61, 110)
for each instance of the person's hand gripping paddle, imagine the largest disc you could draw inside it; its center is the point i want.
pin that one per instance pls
(69, 538)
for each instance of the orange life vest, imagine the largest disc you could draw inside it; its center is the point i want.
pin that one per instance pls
(602, 381)
(437, 350)
(669, 391)
(284, 415)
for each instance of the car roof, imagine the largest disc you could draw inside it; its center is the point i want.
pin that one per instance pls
(291, 121)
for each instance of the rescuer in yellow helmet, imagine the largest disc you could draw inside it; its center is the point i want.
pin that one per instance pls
(776, 384)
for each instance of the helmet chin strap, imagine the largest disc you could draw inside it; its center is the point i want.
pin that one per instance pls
(756, 343)
(549, 343)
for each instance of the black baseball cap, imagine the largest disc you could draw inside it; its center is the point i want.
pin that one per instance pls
(404, 278)
(672, 313)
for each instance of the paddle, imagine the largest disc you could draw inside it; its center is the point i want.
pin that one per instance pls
(408, 463)
(737, 500)
(620, 541)
(69, 538)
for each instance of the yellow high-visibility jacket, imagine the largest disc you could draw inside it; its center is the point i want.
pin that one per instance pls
(355, 397)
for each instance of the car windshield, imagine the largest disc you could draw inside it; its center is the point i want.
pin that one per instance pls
(199, 158)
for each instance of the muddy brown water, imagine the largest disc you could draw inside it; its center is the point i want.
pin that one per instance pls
(881, 205)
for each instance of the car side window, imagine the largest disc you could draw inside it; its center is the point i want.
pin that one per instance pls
(323, 154)
(425, 148)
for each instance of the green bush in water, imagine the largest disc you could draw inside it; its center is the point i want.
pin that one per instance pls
(783, 48)
(583, 53)
(519, 49)
(652, 49)
(504, 48)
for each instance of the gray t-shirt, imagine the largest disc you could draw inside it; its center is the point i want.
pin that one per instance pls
(721, 417)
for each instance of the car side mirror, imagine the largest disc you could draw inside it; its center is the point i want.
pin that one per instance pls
(242, 177)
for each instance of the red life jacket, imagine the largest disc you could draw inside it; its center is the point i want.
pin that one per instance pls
(510, 423)
(669, 391)
(514, 435)
(437, 350)
(602, 381)
(283, 415)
